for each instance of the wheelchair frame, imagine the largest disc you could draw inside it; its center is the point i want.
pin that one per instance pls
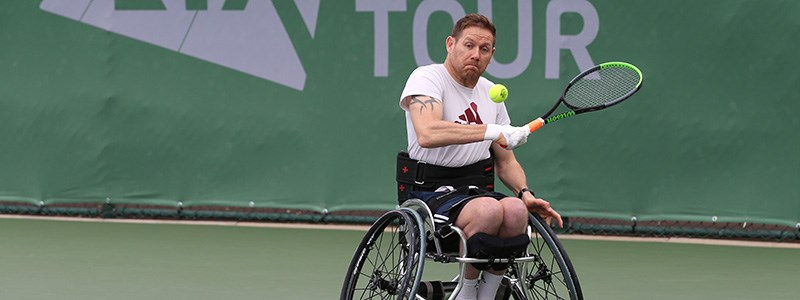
(411, 226)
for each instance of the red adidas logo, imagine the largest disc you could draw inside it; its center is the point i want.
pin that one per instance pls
(470, 115)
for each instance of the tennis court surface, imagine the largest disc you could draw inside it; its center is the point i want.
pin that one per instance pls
(54, 259)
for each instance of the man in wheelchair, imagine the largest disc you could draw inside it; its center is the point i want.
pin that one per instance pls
(455, 133)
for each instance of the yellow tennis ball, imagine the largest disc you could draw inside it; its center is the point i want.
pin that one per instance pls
(498, 93)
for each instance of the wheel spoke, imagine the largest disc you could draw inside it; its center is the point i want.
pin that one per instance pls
(386, 260)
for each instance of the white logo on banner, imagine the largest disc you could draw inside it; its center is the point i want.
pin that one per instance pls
(253, 40)
(555, 40)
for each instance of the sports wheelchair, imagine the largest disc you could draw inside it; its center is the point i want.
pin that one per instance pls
(389, 261)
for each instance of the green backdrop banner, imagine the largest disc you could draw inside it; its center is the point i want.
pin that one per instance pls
(293, 104)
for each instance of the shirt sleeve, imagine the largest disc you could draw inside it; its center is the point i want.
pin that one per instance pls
(421, 82)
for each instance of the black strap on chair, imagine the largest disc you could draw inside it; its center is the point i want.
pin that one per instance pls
(414, 175)
(482, 245)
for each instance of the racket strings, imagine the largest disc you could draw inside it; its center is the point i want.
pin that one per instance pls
(602, 87)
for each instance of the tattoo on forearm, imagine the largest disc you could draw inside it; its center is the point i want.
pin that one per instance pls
(425, 101)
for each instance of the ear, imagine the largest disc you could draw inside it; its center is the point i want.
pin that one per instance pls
(449, 42)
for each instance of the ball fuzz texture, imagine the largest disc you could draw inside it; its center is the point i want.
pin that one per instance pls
(498, 93)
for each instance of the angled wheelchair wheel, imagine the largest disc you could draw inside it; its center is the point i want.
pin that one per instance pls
(387, 261)
(551, 275)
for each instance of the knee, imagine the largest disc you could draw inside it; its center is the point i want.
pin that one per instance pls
(481, 214)
(514, 211)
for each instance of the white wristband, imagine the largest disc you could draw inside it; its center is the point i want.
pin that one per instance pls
(492, 132)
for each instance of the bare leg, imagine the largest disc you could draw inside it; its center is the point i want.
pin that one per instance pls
(482, 214)
(506, 218)
(515, 220)
(479, 215)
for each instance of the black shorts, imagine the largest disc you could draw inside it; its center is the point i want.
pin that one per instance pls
(445, 206)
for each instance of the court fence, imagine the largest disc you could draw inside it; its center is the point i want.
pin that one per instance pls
(572, 225)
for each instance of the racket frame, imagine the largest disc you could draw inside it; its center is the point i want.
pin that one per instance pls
(546, 118)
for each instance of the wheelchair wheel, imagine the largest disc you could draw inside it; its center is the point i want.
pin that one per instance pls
(386, 262)
(551, 275)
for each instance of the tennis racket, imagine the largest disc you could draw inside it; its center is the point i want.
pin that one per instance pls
(599, 87)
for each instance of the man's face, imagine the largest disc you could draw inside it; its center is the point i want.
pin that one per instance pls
(470, 54)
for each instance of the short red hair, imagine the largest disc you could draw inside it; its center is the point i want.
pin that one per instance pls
(477, 20)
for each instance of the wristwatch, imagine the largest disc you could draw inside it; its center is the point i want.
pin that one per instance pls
(523, 190)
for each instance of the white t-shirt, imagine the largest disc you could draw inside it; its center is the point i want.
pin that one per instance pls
(461, 105)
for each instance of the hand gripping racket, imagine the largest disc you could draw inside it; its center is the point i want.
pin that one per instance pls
(599, 87)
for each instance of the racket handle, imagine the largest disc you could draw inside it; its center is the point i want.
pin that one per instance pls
(532, 126)
(535, 124)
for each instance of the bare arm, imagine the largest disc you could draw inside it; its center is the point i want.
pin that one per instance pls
(426, 115)
(508, 169)
(513, 176)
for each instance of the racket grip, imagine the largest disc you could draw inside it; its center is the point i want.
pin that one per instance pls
(535, 124)
(532, 126)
